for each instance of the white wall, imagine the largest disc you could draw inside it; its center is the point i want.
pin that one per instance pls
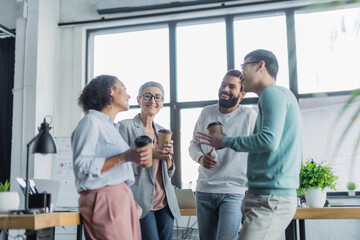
(71, 80)
(47, 68)
(36, 76)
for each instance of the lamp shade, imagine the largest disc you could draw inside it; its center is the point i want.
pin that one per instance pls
(44, 142)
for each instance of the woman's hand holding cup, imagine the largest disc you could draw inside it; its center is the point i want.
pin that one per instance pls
(138, 155)
(144, 142)
(166, 152)
(168, 147)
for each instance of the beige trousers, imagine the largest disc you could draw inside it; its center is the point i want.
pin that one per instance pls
(266, 216)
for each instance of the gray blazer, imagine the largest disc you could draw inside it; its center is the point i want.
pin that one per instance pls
(144, 177)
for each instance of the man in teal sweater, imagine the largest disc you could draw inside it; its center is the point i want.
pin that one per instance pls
(275, 151)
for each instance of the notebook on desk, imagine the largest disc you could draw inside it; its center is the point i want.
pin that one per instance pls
(49, 186)
(185, 198)
(40, 186)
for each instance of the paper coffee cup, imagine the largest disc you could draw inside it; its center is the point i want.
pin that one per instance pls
(143, 141)
(164, 136)
(215, 127)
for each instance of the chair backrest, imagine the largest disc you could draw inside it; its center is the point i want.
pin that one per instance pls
(185, 198)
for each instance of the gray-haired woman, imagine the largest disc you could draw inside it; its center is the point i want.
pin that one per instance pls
(152, 189)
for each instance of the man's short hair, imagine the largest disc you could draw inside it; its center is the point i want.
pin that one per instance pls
(235, 73)
(268, 57)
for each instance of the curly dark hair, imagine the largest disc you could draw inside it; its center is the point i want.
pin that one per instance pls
(96, 94)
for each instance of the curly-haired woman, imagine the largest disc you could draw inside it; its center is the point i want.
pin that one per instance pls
(102, 167)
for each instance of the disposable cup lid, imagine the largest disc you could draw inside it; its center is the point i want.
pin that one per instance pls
(214, 123)
(167, 131)
(142, 141)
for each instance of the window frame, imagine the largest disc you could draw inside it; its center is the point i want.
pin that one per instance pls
(175, 106)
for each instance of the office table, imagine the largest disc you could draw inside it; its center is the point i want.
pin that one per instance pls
(50, 220)
(41, 221)
(306, 213)
(318, 213)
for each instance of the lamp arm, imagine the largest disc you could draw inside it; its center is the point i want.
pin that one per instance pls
(27, 171)
(32, 140)
(27, 175)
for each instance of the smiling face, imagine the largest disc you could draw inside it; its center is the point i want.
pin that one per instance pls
(151, 101)
(230, 93)
(120, 97)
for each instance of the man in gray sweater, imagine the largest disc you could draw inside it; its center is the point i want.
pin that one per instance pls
(222, 173)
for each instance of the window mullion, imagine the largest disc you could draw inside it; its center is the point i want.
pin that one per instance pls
(174, 111)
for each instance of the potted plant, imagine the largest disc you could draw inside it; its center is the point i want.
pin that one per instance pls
(351, 186)
(4, 187)
(314, 178)
(8, 200)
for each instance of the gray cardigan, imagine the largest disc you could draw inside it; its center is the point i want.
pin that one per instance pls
(144, 177)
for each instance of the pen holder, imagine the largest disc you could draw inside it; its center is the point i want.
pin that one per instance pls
(40, 200)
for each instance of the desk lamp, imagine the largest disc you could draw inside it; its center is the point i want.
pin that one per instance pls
(43, 143)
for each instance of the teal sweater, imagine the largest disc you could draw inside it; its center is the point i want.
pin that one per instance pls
(275, 147)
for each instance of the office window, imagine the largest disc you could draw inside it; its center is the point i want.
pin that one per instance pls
(189, 168)
(327, 48)
(135, 57)
(272, 36)
(201, 60)
(323, 127)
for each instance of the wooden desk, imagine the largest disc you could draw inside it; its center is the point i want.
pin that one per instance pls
(48, 220)
(306, 213)
(41, 221)
(309, 213)
(328, 213)
(318, 213)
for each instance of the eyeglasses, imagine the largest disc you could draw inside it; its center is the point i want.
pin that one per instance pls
(243, 65)
(149, 96)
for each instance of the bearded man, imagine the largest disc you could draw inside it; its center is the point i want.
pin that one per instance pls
(221, 183)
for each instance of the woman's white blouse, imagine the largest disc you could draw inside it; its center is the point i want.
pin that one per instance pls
(95, 139)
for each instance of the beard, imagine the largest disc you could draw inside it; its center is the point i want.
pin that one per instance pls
(232, 102)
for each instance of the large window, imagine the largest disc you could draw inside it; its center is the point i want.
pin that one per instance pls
(323, 135)
(201, 60)
(192, 56)
(327, 46)
(328, 50)
(135, 56)
(272, 37)
(189, 168)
